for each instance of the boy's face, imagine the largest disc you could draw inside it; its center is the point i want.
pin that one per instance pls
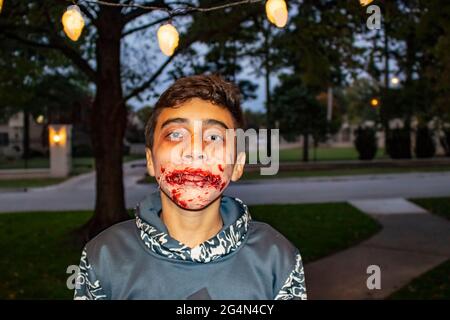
(193, 156)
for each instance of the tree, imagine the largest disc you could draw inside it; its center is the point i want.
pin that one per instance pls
(298, 111)
(30, 84)
(319, 51)
(99, 56)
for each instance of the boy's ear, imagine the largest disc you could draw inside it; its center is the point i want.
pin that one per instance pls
(150, 168)
(238, 168)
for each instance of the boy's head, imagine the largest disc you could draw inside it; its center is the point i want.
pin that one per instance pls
(190, 140)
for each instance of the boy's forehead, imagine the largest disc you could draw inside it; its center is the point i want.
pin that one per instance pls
(196, 110)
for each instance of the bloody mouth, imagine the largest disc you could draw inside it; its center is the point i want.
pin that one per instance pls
(194, 177)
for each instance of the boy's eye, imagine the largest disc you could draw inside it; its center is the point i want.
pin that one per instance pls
(175, 136)
(213, 137)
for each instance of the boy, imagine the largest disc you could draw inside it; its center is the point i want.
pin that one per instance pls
(188, 240)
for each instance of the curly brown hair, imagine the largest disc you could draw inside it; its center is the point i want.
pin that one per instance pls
(212, 88)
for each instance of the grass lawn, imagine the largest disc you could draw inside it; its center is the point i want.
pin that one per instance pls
(434, 284)
(79, 166)
(439, 206)
(324, 154)
(29, 183)
(36, 249)
(44, 162)
(340, 172)
(326, 173)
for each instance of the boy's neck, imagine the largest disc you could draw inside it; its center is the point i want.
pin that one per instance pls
(191, 227)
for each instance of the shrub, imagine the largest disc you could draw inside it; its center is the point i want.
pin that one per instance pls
(445, 142)
(425, 146)
(366, 143)
(398, 143)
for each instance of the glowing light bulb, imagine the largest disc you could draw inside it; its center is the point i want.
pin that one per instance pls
(1, 5)
(168, 39)
(56, 138)
(40, 118)
(73, 22)
(277, 12)
(374, 102)
(395, 81)
(365, 2)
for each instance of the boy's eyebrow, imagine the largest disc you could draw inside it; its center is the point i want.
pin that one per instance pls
(212, 122)
(207, 122)
(174, 120)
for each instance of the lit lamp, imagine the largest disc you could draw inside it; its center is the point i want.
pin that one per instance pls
(40, 118)
(365, 2)
(168, 39)
(60, 146)
(277, 12)
(374, 102)
(395, 81)
(57, 137)
(73, 22)
(1, 5)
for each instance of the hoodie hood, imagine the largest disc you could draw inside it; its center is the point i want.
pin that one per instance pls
(156, 238)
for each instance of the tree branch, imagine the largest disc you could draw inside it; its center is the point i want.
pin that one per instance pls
(54, 44)
(145, 84)
(145, 26)
(90, 15)
(142, 10)
(25, 41)
(153, 23)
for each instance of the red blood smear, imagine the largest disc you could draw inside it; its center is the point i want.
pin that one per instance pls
(220, 167)
(176, 198)
(176, 195)
(199, 177)
(222, 186)
(182, 203)
(163, 169)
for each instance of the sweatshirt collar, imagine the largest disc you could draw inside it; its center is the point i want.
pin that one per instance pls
(155, 236)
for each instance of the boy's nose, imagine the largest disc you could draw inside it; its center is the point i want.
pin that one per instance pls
(195, 151)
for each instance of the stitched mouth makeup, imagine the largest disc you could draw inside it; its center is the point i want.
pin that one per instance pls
(192, 188)
(194, 177)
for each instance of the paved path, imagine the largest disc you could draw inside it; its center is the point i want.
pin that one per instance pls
(411, 242)
(79, 192)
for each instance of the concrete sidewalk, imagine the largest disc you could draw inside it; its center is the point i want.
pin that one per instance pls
(411, 242)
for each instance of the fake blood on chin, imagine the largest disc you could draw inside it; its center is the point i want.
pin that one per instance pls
(192, 178)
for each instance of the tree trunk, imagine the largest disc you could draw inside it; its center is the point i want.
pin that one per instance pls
(108, 128)
(267, 84)
(305, 147)
(26, 137)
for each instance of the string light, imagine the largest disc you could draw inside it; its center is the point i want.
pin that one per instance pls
(374, 102)
(40, 119)
(73, 22)
(277, 12)
(365, 2)
(168, 39)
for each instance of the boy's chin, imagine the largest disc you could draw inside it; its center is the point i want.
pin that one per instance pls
(193, 198)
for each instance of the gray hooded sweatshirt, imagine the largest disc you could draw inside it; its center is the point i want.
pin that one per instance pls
(137, 259)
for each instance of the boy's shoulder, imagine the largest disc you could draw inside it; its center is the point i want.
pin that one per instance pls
(267, 237)
(117, 235)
